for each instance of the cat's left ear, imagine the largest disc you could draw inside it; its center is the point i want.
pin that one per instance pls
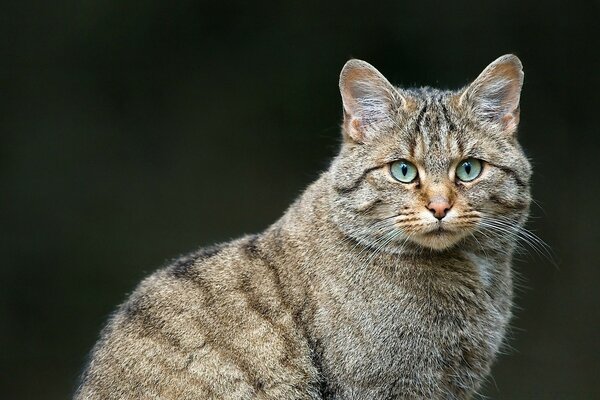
(494, 96)
(370, 101)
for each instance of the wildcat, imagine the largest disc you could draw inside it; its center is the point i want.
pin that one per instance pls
(389, 278)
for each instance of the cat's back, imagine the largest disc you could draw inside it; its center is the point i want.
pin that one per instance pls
(213, 324)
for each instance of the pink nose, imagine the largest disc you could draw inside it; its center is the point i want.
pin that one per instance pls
(439, 207)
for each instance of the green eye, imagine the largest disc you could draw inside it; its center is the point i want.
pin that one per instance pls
(403, 171)
(468, 169)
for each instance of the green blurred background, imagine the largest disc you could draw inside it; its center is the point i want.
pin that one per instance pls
(132, 132)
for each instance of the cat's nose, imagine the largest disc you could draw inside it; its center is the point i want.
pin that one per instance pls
(439, 207)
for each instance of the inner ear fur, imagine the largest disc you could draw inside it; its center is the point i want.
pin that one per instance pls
(494, 96)
(369, 99)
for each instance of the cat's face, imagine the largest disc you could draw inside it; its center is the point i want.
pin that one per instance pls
(427, 167)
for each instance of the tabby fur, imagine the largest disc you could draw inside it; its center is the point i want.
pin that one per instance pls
(356, 292)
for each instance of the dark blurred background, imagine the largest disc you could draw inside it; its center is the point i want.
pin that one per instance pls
(133, 131)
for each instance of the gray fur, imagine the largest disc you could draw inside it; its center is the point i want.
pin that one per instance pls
(351, 294)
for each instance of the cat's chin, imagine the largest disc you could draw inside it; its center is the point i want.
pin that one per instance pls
(438, 239)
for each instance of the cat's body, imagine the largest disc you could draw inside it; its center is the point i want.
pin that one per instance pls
(347, 296)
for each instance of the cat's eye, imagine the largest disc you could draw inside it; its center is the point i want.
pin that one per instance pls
(468, 169)
(403, 171)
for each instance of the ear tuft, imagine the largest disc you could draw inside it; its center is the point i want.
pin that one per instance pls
(494, 96)
(369, 101)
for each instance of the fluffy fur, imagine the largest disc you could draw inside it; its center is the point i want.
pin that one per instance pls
(358, 291)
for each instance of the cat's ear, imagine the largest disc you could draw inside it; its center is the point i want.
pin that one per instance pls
(494, 95)
(369, 101)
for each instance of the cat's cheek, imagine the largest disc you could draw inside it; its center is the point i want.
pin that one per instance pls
(479, 191)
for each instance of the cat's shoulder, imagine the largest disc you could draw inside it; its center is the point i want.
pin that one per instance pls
(197, 280)
(206, 269)
(210, 259)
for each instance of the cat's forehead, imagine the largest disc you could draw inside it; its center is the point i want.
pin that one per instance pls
(432, 131)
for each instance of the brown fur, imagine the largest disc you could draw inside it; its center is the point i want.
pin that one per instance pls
(353, 293)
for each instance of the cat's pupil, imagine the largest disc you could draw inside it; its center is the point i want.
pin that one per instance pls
(404, 169)
(468, 168)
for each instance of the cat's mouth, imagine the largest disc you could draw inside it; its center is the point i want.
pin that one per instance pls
(440, 236)
(440, 233)
(439, 229)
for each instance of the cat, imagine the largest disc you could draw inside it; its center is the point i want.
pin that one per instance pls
(388, 278)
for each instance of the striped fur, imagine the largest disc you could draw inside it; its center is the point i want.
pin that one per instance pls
(353, 293)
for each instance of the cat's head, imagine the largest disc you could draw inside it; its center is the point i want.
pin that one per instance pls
(430, 167)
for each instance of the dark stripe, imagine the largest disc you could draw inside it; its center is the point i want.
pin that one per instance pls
(412, 145)
(269, 310)
(252, 250)
(509, 205)
(250, 247)
(254, 300)
(356, 184)
(460, 141)
(522, 184)
(143, 311)
(181, 267)
(420, 117)
(369, 206)
(270, 264)
(451, 125)
(316, 355)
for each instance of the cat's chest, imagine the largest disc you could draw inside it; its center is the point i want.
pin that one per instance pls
(378, 338)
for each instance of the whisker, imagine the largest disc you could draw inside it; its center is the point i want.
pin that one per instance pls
(512, 229)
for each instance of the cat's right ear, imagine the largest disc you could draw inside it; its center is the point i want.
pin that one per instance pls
(369, 101)
(494, 96)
